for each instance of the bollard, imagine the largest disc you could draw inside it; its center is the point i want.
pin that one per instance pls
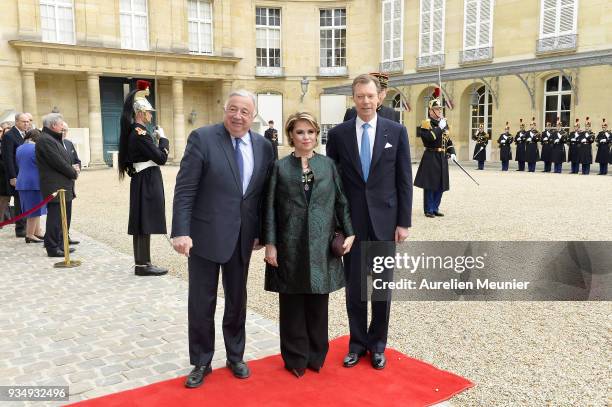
(67, 263)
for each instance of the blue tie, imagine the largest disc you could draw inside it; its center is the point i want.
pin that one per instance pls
(364, 154)
(239, 160)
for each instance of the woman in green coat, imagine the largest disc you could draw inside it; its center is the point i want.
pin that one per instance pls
(304, 206)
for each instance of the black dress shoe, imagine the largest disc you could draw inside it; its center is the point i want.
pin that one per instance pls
(379, 361)
(57, 252)
(239, 369)
(315, 369)
(438, 214)
(197, 375)
(297, 372)
(430, 215)
(352, 359)
(39, 237)
(30, 240)
(20, 234)
(70, 241)
(149, 270)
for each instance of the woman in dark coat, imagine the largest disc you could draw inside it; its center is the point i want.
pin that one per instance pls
(140, 155)
(28, 186)
(304, 206)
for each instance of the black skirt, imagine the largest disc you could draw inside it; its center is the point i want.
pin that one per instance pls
(4, 184)
(147, 203)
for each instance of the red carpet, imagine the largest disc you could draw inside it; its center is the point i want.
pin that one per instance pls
(404, 382)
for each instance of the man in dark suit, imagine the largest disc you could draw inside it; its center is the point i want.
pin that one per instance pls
(10, 141)
(216, 222)
(271, 134)
(373, 157)
(382, 111)
(56, 172)
(76, 163)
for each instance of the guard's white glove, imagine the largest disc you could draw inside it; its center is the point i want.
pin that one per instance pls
(453, 157)
(159, 132)
(556, 141)
(442, 123)
(503, 142)
(529, 139)
(584, 141)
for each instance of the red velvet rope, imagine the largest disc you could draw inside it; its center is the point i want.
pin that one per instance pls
(34, 209)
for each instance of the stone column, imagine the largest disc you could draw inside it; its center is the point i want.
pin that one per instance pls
(226, 88)
(28, 82)
(96, 144)
(179, 118)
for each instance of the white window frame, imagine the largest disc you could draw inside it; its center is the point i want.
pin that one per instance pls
(332, 28)
(485, 100)
(200, 21)
(269, 28)
(56, 4)
(479, 6)
(393, 4)
(431, 30)
(558, 31)
(559, 93)
(131, 13)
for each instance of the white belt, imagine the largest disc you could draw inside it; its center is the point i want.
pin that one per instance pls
(143, 165)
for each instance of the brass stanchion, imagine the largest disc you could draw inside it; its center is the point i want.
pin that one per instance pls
(67, 263)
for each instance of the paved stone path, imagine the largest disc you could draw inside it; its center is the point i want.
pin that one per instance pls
(97, 328)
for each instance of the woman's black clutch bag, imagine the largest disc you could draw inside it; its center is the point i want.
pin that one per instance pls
(336, 244)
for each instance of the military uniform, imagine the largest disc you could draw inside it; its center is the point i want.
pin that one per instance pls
(604, 138)
(480, 149)
(574, 146)
(272, 136)
(505, 150)
(547, 147)
(532, 153)
(521, 154)
(585, 149)
(558, 154)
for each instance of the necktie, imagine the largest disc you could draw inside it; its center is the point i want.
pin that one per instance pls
(364, 154)
(239, 160)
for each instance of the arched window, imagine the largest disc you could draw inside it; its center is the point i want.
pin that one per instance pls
(557, 100)
(482, 113)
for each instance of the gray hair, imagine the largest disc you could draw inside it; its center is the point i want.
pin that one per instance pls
(242, 93)
(52, 119)
(18, 116)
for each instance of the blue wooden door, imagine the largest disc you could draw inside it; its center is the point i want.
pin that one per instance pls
(111, 95)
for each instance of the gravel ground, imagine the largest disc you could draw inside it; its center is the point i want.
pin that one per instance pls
(518, 354)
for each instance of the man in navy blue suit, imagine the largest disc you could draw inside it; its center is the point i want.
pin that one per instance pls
(217, 200)
(373, 156)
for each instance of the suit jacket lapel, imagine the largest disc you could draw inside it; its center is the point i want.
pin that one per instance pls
(256, 143)
(225, 142)
(353, 147)
(379, 143)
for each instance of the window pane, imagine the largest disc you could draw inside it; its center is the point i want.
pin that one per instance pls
(565, 84)
(552, 85)
(192, 9)
(566, 102)
(551, 103)
(140, 6)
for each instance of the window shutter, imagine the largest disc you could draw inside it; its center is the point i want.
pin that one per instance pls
(471, 24)
(486, 14)
(437, 44)
(549, 18)
(566, 24)
(426, 27)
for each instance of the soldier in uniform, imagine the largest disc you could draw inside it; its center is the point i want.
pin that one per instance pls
(572, 156)
(559, 138)
(604, 138)
(272, 136)
(532, 153)
(382, 111)
(505, 149)
(585, 149)
(547, 147)
(432, 174)
(140, 155)
(519, 140)
(480, 149)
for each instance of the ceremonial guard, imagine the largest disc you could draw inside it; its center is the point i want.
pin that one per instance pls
(519, 140)
(382, 111)
(547, 147)
(573, 138)
(558, 155)
(480, 149)
(505, 149)
(140, 155)
(532, 153)
(585, 149)
(432, 174)
(271, 134)
(604, 138)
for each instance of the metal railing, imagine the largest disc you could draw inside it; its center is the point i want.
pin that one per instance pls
(476, 55)
(555, 44)
(430, 61)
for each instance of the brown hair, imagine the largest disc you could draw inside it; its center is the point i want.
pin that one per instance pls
(296, 117)
(33, 134)
(364, 79)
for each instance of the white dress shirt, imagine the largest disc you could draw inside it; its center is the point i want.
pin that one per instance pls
(371, 132)
(246, 148)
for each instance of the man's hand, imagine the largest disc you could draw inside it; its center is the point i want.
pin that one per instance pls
(442, 123)
(256, 245)
(348, 243)
(270, 256)
(453, 157)
(182, 244)
(401, 233)
(13, 181)
(159, 132)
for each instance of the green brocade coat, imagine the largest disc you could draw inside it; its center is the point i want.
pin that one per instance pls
(302, 231)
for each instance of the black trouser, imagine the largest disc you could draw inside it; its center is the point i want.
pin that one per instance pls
(303, 329)
(53, 232)
(142, 249)
(374, 337)
(20, 225)
(203, 282)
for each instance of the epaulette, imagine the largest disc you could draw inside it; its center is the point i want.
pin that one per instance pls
(140, 131)
(426, 124)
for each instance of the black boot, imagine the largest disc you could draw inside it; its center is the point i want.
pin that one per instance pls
(142, 257)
